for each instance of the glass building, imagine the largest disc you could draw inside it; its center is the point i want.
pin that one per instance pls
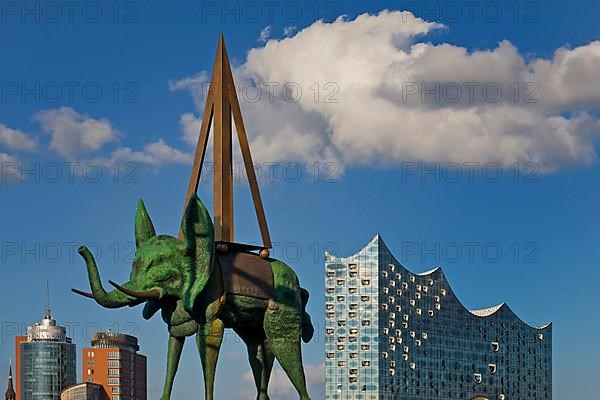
(47, 361)
(393, 334)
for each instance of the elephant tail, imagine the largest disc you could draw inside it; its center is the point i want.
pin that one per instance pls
(307, 327)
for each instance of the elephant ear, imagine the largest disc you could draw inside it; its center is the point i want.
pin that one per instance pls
(144, 229)
(198, 236)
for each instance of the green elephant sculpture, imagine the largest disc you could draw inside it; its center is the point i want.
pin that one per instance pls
(183, 280)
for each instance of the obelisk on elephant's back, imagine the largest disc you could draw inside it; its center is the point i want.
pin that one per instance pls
(221, 104)
(203, 281)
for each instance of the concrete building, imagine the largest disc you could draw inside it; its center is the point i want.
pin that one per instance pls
(394, 334)
(113, 361)
(84, 391)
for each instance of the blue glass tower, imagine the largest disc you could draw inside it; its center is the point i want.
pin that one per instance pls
(392, 334)
(47, 361)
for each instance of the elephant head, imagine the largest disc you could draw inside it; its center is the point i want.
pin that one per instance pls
(163, 265)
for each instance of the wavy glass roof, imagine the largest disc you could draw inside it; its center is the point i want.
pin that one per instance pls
(436, 273)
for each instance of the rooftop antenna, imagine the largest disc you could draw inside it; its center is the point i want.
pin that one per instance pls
(48, 311)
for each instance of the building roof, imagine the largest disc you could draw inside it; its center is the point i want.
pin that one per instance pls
(436, 273)
(10, 391)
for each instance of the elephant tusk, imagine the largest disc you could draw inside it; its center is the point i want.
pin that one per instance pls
(153, 294)
(84, 294)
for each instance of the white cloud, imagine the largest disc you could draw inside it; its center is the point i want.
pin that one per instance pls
(281, 387)
(264, 35)
(289, 30)
(75, 134)
(156, 153)
(15, 139)
(190, 125)
(372, 60)
(196, 85)
(9, 168)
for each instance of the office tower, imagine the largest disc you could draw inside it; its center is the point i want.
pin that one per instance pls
(10, 390)
(84, 391)
(393, 334)
(47, 361)
(113, 361)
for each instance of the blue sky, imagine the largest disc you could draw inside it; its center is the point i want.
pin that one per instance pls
(336, 182)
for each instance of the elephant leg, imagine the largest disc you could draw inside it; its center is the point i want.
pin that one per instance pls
(173, 356)
(261, 361)
(289, 355)
(283, 331)
(209, 339)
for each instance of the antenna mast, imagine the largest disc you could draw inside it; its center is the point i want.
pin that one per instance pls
(48, 311)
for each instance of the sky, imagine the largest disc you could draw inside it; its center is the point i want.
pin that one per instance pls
(465, 133)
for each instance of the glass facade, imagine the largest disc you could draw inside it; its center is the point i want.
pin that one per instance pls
(47, 361)
(392, 334)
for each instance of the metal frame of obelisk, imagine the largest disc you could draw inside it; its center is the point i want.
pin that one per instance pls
(221, 104)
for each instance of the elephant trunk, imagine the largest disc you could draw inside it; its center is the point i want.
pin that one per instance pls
(112, 299)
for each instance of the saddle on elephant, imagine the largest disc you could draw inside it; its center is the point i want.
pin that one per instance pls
(247, 274)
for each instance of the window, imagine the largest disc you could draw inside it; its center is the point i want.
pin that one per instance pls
(330, 274)
(478, 378)
(495, 347)
(492, 368)
(365, 282)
